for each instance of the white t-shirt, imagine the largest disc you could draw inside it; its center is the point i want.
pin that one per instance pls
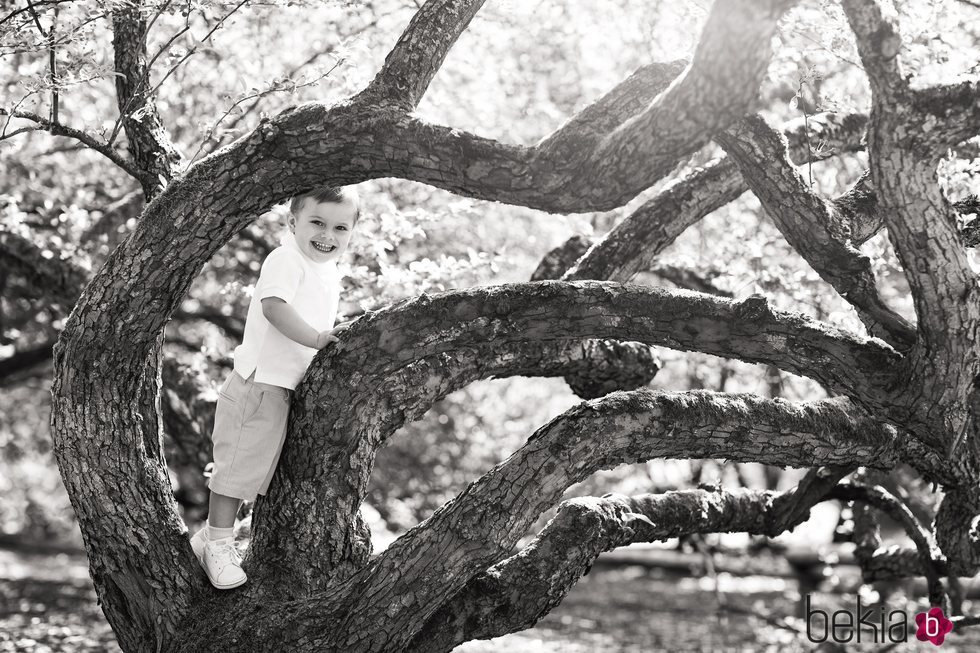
(312, 289)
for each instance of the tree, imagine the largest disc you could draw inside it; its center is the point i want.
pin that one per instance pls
(905, 395)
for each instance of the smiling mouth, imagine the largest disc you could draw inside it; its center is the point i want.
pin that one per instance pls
(320, 247)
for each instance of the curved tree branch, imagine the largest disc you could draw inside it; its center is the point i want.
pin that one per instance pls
(720, 84)
(879, 44)
(931, 559)
(564, 452)
(58, 129)
(397, 362)
(811, 226)
(954, 110)
(603, 173)
(634, 244)
(625, 100)
(482, 524)
(149, 143)
(515, 593)
(638, 239)
(565, 255)
(414, 61)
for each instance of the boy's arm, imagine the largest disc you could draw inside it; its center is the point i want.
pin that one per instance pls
(285, 318)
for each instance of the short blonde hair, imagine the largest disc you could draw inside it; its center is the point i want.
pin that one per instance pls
(327, 194)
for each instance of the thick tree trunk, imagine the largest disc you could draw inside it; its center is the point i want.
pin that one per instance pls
(118, 481)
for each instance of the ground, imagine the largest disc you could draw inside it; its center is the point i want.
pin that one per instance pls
(47, 605)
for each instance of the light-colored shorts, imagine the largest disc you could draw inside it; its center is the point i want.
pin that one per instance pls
(249, 429)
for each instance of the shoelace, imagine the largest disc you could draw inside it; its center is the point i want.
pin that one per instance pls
(225, 551)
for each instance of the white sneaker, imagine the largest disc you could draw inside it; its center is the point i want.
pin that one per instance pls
(198, 541)
(223, 564)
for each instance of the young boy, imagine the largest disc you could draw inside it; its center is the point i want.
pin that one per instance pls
(291, 316)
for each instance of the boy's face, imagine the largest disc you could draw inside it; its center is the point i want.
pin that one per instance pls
(323, 229)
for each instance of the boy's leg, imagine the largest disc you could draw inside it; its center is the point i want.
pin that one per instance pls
(222, 511)
(214, 544)
(216, 541)
(233, 406)
(245, 458)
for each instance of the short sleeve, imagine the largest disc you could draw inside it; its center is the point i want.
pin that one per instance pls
(280, 277)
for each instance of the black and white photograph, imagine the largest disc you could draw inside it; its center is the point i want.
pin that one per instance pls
(508, 326)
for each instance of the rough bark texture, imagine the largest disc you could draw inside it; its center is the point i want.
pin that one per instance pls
(904, 146)
(149, 144)
(634, 243)
(859, 212)
(515, 593)
(614, 366)
(811, 225)
(419, 53)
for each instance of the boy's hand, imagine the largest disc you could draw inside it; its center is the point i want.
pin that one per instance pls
(324, 338)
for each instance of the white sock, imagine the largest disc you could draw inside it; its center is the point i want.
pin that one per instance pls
(220, 533)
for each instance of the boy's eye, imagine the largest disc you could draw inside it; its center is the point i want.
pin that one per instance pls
(342, 227)
(317, 223)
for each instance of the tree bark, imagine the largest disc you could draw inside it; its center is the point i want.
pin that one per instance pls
(149, 143)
